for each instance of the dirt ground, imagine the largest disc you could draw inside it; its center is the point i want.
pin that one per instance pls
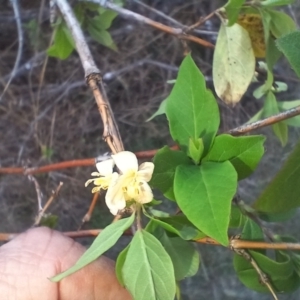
(48, 115)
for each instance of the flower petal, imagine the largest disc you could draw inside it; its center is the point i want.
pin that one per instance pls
(96, 174)
(88, 182)
(114, 198)
(105, 167)
(146, 194)
(125, 161)
(145, 171)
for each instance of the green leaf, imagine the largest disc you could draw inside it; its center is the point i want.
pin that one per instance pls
(281, 23)
(272, 53)
(256, 117)
(180, 226)
(191, 109)
(289, 45)
(195, 150)
(204, 195)
(281, 131)
(282, 194)
(271, 108)
(237, 218)
(252, 231)
(267, 86)
(103, 37)
(62, 47)
(166, 161)
(233, 8)
(159, 213)
(105, 19)
(270, 105)
(161, 110)
(47, 152)
(104, 241)
(277, 217)
(276, 2)
(243, 152)
(148, 271)
(80, 12)
(280, 86)
(120, 263)
(233, 63)
(281, 274)
(49, 220)
(286, 105)
(259, 92)
(184, 256)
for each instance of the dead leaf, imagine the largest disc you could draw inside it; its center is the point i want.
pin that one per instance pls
(233, 63)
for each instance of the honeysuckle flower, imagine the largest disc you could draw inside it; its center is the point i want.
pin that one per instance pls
(130, 185)
(104, 174)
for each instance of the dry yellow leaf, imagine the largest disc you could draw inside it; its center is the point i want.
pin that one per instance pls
(253, 24)
(233, 63)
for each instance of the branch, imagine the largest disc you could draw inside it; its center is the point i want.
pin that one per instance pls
(178, 32)
(42, 212)
(93, 78)
(150, 153)
(262, 276)
(266, 122)
(71, 164)
(175, 22)
(20, 45)
(234, 243)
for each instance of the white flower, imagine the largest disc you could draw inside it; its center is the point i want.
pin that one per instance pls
(105, 175)
(130, 185)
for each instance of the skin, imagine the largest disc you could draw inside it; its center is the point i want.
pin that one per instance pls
(32, 257)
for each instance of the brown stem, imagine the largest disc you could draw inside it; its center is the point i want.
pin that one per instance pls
(262, 276)
(200, 22)
(71, 164)
(93, 77)
(266, 122)
(50, 200)
(234, 243)
(178, 32)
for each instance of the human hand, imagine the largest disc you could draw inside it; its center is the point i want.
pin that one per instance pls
(31, 258)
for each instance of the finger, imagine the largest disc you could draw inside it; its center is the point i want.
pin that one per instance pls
(30, 259)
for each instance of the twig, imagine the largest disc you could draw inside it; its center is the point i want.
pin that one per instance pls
(71, 164)
(88, 215)
(234, 243)
(32, 63)
(50, 200)
(178, 32)
(200, 22)
(266, 122)
(38, 192)
(243, 244)
(262, 276)
(159, 13)
(252, 215)
(171, 20)
(140, 63)
(150, 153)
(6, 237)
(93, 78)
(20, 46)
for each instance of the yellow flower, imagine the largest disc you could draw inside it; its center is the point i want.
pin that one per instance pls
(130, 185)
